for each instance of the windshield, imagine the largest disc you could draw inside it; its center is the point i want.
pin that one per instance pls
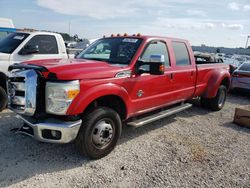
(118, 50)
(11, 42)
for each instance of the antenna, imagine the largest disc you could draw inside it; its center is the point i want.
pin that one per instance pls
(247, 41)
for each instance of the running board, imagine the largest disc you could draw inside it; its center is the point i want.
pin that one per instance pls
(160, 115)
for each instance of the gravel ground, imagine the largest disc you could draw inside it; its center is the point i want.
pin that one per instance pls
(196, 148)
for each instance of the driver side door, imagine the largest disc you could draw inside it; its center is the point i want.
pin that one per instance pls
(47, 45)
(152, 91)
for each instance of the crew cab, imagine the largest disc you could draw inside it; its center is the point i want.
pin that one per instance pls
(116, 81)
(27, 45)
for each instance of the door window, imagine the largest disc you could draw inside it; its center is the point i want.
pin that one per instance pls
(181, 54)
(46, 43)
(156, 48)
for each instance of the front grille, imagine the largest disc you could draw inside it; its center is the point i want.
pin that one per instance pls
(22, 91)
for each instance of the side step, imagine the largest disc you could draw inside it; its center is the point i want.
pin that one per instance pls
(160, 115)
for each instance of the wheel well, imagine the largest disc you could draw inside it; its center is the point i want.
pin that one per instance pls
(3, 80)
(112, 101)
(226, 82)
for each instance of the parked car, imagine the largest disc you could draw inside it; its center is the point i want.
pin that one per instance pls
(241, 77)
(116, 79)
(27, 45)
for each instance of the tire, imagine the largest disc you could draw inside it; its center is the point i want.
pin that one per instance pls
(3, 99)
(205, 103)
(99, 133)
(218, 101)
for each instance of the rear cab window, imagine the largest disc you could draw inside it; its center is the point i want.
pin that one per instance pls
(181, 54)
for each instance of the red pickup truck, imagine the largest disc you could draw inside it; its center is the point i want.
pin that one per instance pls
(117, 80)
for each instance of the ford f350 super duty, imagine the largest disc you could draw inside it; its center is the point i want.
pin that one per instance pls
(116, 81)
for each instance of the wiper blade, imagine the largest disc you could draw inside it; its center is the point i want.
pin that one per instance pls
(96, 59)
(116, 62)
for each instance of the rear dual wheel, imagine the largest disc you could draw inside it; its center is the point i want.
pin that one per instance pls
(218, 101)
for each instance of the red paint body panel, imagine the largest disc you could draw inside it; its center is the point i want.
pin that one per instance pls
(179, 83)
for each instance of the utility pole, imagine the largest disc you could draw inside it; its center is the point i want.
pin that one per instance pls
(69, 28)
(247, 42)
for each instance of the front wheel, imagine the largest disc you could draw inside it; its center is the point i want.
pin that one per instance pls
(3, 99)
(99, 132)
(219, 100)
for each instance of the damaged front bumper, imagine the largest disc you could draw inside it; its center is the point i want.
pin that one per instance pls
(51, 130)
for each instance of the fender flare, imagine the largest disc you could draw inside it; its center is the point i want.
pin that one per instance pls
(214, 83)
(86, 97)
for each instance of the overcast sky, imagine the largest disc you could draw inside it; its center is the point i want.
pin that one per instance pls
(211, 22)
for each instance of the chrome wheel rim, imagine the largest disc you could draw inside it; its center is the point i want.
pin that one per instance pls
(221, 98)
(102, 133)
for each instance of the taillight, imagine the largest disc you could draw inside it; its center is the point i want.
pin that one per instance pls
(241, 75)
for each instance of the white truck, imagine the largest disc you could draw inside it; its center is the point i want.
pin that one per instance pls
(24, 46)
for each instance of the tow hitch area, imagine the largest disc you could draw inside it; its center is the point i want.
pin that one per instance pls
(25, 129)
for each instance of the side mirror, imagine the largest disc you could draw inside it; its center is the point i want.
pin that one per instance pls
(29, 49)
(155, 66)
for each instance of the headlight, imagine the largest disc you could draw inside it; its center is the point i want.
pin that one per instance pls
(59, 96)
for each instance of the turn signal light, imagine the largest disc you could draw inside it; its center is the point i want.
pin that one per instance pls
(162, 68)
(72, 94)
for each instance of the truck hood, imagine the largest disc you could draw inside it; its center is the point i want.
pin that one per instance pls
(76, 69)
(4, 56)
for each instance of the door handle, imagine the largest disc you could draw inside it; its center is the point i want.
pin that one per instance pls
(171, 76)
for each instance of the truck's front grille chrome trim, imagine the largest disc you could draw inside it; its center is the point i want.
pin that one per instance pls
(19, 86)
(22, 89)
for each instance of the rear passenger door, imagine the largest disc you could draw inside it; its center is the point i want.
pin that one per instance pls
(184, 75)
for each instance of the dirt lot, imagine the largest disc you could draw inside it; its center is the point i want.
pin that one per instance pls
(196, 148)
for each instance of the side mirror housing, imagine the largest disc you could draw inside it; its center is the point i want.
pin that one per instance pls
(155, 66)
(29, 49)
